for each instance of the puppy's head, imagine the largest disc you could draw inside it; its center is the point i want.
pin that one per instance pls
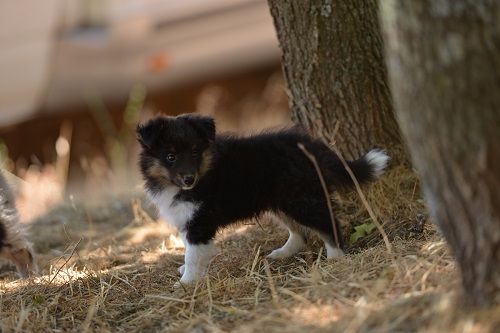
(14, 247)
(175, 150)
(22, 258)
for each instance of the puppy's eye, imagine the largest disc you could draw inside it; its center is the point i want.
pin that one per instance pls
(171, 157)
(195, 152)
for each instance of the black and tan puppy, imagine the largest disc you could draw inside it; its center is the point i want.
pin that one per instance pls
(14, 246)
(201, 182)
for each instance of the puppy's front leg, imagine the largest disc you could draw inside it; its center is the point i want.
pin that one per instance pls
(196, 259)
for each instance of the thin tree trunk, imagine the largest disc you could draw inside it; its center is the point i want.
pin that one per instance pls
(334, 67)
(444, 60)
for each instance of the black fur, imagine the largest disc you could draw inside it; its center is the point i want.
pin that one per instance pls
(3, 235)
(245, 176)
(5, 212)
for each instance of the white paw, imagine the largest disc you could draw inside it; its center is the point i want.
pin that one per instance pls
(182, 269)
(334, 252)
(184, 282)
(189, 278)
(279, 254)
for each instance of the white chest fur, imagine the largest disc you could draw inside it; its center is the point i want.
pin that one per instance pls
(174, 212)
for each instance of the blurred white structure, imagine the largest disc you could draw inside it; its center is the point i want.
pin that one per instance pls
(54, 52)
(26, 44)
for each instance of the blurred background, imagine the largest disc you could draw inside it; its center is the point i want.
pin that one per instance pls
(77, 75)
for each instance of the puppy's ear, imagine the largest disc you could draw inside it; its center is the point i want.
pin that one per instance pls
(205, 126)
(146, 135)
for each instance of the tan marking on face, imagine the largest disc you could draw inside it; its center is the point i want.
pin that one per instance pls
(157, 171)
(206, 162)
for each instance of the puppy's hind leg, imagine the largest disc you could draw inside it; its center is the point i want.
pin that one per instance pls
(315, 215)
(296, 239)
(294, 244)
(332, 251)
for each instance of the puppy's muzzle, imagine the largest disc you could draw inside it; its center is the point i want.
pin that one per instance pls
(187, 181)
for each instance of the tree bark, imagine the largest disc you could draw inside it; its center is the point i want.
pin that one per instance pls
(444, 61)
(335, 71)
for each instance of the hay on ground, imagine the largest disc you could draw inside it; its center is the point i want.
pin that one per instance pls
(112, 269)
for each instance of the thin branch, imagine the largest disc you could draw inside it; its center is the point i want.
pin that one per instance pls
(325, 189)
(363, 199)
(272, 287)
(69, 258)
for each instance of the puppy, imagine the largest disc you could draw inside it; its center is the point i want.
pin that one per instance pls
(14, 246)
(201, 182)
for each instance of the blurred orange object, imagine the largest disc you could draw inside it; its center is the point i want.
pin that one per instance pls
(158, 62)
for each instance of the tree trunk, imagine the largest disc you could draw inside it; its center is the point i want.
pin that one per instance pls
(334, 67)
(444, 60)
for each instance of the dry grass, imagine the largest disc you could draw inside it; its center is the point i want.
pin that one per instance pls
(112, 269)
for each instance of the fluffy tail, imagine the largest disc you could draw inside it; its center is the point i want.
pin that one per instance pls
(365, 169)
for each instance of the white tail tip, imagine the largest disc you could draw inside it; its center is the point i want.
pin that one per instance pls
(377, 159)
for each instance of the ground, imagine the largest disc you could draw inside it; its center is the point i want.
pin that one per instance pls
(111, 267)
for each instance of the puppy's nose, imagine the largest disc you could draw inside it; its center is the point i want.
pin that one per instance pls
(188, 180)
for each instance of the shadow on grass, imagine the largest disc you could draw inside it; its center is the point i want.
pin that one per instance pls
(120, 277)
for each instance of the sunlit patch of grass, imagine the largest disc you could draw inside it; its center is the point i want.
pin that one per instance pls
(112, 267)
